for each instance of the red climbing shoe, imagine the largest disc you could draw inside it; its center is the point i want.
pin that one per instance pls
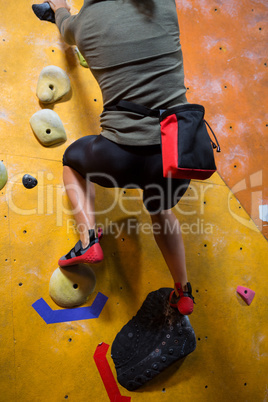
(185, 301)
(92, 254)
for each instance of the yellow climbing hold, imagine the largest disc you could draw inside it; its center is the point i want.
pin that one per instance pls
(72, 286)
(3, 175)
(53, 83)
(48, 128)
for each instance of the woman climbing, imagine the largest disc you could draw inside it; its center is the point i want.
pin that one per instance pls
(133, 49)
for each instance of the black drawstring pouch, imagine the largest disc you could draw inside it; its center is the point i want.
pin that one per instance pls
(187, 149)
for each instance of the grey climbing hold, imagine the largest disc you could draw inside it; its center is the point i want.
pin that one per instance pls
(29, 181)
(3, 175)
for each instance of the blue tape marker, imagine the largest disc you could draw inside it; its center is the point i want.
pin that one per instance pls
(82, 313)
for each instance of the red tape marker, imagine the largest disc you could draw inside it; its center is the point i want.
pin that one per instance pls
(107, 375)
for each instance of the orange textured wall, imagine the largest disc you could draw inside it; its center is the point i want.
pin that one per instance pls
(225, 55)
(225, 71)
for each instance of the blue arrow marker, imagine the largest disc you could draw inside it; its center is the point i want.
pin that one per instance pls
(82, 313)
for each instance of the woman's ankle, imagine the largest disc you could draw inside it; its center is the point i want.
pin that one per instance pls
(180, 286)
(87, 237)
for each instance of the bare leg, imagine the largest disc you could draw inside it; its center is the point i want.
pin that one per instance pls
(81, 194)
(168, 237)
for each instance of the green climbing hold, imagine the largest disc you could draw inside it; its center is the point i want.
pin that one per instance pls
(3, 175)
(81, 59)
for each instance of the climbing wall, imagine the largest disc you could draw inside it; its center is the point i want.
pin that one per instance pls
(47, 351)
(225, 57)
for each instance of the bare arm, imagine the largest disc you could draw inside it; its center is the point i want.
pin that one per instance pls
(56, 4)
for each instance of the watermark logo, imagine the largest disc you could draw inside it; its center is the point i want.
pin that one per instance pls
(255, 181)
(51, 199)
(132, 226)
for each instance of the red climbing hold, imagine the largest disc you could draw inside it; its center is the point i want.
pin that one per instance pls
(246, 294)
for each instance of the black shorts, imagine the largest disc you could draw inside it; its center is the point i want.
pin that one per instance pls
(113, 165)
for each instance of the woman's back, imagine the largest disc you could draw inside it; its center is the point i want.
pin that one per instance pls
(133, 56)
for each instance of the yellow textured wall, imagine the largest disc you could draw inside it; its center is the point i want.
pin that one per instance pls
(54, 362)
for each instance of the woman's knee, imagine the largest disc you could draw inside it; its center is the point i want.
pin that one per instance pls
(160, 216)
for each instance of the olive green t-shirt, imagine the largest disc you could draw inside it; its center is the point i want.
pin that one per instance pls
(133, 56)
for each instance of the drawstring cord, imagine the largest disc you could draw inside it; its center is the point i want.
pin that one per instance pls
(213, 143)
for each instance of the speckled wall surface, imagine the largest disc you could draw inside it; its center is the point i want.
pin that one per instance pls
(224, 44)
(225, 56)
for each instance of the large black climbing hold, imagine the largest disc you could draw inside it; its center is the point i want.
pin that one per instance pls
(151, 341)
(44, 12)
(29, 181)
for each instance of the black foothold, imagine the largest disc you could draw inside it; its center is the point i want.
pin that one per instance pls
(154, 317)
(44, 12)
(131, 385)
(29, 181)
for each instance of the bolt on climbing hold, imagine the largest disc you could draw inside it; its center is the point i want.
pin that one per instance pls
(53, 83)
(48, 127)
(246, 294)
(70, 288)
(29, 181)
(44, 12)
(81, 59)
(3, 175)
